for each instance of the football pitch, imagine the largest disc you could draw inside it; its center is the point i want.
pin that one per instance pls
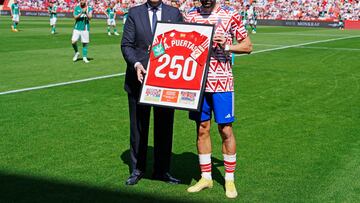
(66, 139)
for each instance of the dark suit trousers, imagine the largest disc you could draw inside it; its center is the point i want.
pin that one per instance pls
(139, 131)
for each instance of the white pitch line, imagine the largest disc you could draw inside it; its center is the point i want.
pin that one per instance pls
(303, 34)
(297, 45)
(120, 74)
(61, 84)
(329, 48)
(269, 45)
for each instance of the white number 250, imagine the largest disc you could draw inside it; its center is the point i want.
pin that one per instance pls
(176, 69)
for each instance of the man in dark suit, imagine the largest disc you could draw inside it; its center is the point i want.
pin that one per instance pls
(136, 41)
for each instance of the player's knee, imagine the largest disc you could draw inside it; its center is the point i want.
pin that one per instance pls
(204, 130)
(225, 131)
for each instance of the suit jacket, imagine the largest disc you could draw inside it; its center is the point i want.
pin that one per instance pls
(137, 38)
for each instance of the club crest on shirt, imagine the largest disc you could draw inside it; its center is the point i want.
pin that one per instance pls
(158, 50)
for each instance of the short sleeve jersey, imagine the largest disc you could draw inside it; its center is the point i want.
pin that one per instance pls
(52, 11)
(83, 22)
(250, 13)
(193, 47)
(110, 12)
(228, 23)
(244, 15)
(15, 9)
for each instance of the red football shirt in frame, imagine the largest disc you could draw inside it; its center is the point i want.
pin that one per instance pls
(177, 60)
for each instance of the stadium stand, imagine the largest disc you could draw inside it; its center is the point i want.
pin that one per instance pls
(327, 10)
(308, 10)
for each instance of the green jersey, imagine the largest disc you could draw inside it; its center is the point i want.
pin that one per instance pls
(244, 15)
(83, 22)
(15, 9)
(110, 12)
(341, 18)
(125, 11)
(52, 11)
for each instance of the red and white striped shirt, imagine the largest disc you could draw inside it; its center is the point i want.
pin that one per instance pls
(228, 23)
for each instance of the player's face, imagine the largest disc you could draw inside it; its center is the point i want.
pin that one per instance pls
(227, 3)
(83, 2)
(208, 3)
(15, 1)
(198, 3)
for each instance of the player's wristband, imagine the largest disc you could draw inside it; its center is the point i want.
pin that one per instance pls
(227, 48)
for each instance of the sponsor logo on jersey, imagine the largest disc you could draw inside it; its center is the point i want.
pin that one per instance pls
(158, 50)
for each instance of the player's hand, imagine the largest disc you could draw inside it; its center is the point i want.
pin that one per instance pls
(140, 72)
(219, 39)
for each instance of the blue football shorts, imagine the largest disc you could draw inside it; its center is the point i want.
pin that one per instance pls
(219, 103)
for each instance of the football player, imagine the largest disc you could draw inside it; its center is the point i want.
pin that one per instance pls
(52, 9)
(82, 16)
(15, 15)
(252, 16)
(110, 13)
(219, 92)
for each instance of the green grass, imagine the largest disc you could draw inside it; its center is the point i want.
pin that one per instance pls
(297, 127)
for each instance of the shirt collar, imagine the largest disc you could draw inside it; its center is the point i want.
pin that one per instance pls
(159, 7)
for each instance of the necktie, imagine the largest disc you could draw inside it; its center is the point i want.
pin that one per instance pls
(154, 19)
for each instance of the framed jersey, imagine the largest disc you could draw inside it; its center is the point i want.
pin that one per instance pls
(178, 65)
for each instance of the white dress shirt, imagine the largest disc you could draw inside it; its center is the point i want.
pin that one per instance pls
(151, 13)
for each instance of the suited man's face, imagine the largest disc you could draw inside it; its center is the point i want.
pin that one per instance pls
(154, 2)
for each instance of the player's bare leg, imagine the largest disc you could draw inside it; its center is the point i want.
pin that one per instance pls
(203, 137)
(53, 29)
(75, 47)
(108, 30)
(229, 153)
(85, 51)
(115, 31)
(204, 151)
(14, 26)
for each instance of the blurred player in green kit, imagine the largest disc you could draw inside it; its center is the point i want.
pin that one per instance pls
(110, 12)
(15, 15)
(52, 9)
(82, 15)
(252, 17)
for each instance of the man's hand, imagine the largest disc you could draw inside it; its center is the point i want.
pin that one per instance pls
(140, 72)
(220, 40)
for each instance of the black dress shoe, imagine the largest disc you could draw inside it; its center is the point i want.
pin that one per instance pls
(166, 177)
(134, 177)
